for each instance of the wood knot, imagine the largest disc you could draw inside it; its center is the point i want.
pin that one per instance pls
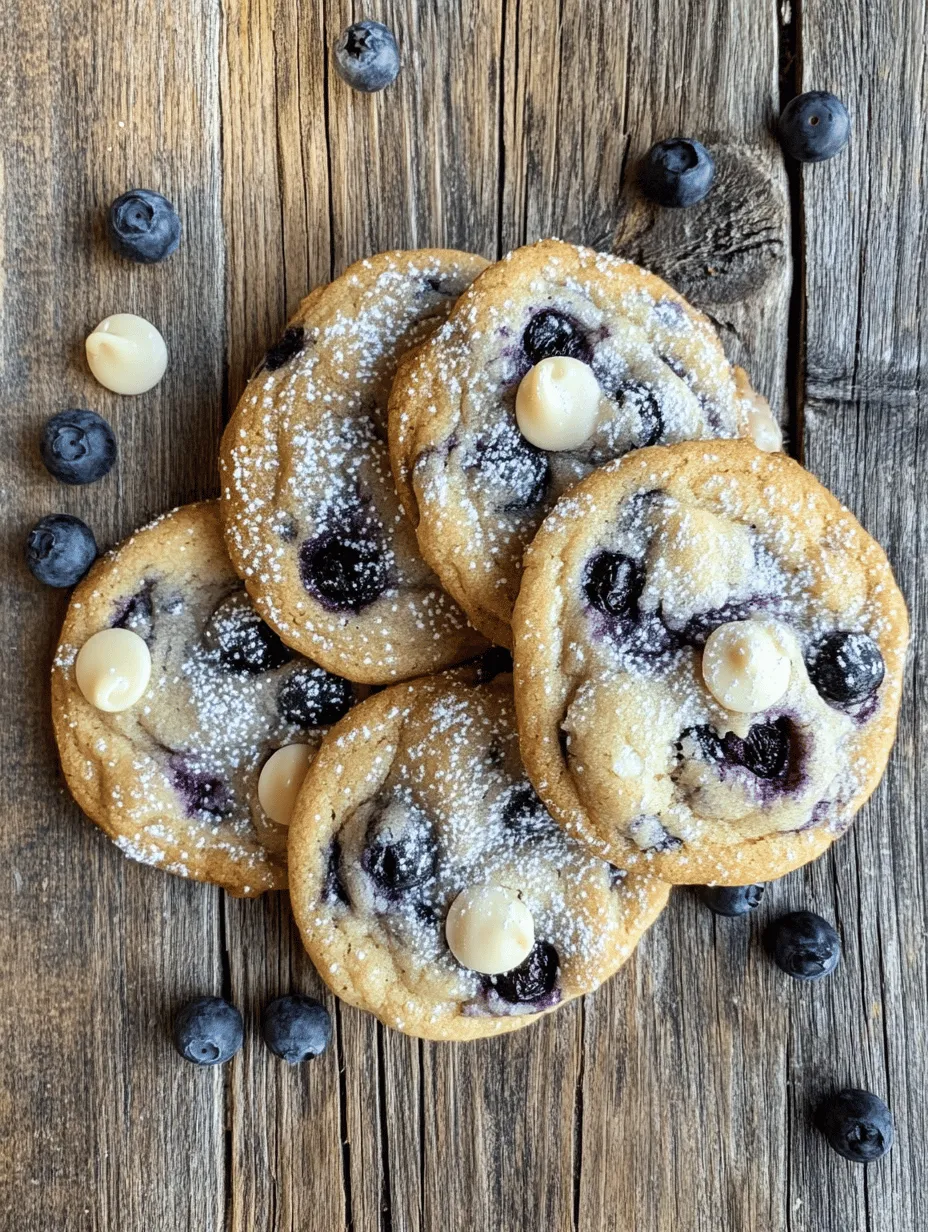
(731, 247)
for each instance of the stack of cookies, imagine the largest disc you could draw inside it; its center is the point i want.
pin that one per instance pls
(308, 682)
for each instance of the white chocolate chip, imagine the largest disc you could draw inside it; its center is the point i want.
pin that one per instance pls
(557, 403)
(763, 429)
(112, 669)
(489, 929)
(127, 354)
(744, 668)
(280, 781)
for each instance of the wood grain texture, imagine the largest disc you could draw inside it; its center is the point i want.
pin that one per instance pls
(678, 1097)
(100, 1129)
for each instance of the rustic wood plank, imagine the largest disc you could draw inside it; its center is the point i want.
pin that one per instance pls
(864, 408)
(100, 1128)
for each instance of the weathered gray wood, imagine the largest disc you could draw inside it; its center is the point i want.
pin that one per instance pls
(99, 1127)
(678, 1097)
(864, 406)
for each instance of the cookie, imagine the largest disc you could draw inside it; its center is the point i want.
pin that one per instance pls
(709, 658)
(313, 522)
(476, 486)
(417, 834)
(173, 775)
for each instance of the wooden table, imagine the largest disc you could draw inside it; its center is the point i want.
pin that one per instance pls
(678, 1096)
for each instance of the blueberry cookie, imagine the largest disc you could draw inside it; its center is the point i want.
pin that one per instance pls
(557, 360)
(429, 884)
(709, 659)
(313, 523)
(180, 714)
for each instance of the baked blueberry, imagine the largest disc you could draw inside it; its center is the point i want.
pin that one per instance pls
(345, 569)
(296, 1028)
(643, 401)
(509, 462)
(243, 642)
(804, 945)
(522, 808)
(60, 549)
(290, 345)
(613, 583)
(765, 749)
(677, 172)
(367, 56)
(401, 861)
(201, 790)
(78, 446)
(856, 1124)
(313, 697)
(143, 226)
(551, 333)
(814, 126)
(533, 980)
(208, 1031)
(847, 667)
(731, 900)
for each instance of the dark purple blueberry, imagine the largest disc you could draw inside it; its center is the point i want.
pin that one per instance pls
(533, 980)
(678, 172)
(292, 342)
(312, 697)
(616, 876)
(510, 463)
(143, 226)
(732, 900)
(613, 584)
(814, 126)
(804, 945)
(702, 624)
(243, 642)
(551, 333)
(523, 808)
(764, 751)
(345, 569)
(707, 742)
(367, 57)
(856, 1124)
(200, 790)
(333, 889)
(398, 862)
(846, 667)
(208, 1031)
(78, 446)
(60, 549)
(642, 399)
(296, 1028)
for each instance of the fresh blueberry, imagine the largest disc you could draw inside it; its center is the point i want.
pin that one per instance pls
(313, 697)
(292, 342)
(296, 1028)
(533, 980)
(345, 569)
(731, 900)
(804, 945)
(856, 1124)
(241, 639)
(765, 749)
(78, 446)
(60, 549)
(847, 667)
(208, 1031)
(613, 583)
(367, 56)
(677, 172)
(551, 333)
(143, 226)
(814, 126)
